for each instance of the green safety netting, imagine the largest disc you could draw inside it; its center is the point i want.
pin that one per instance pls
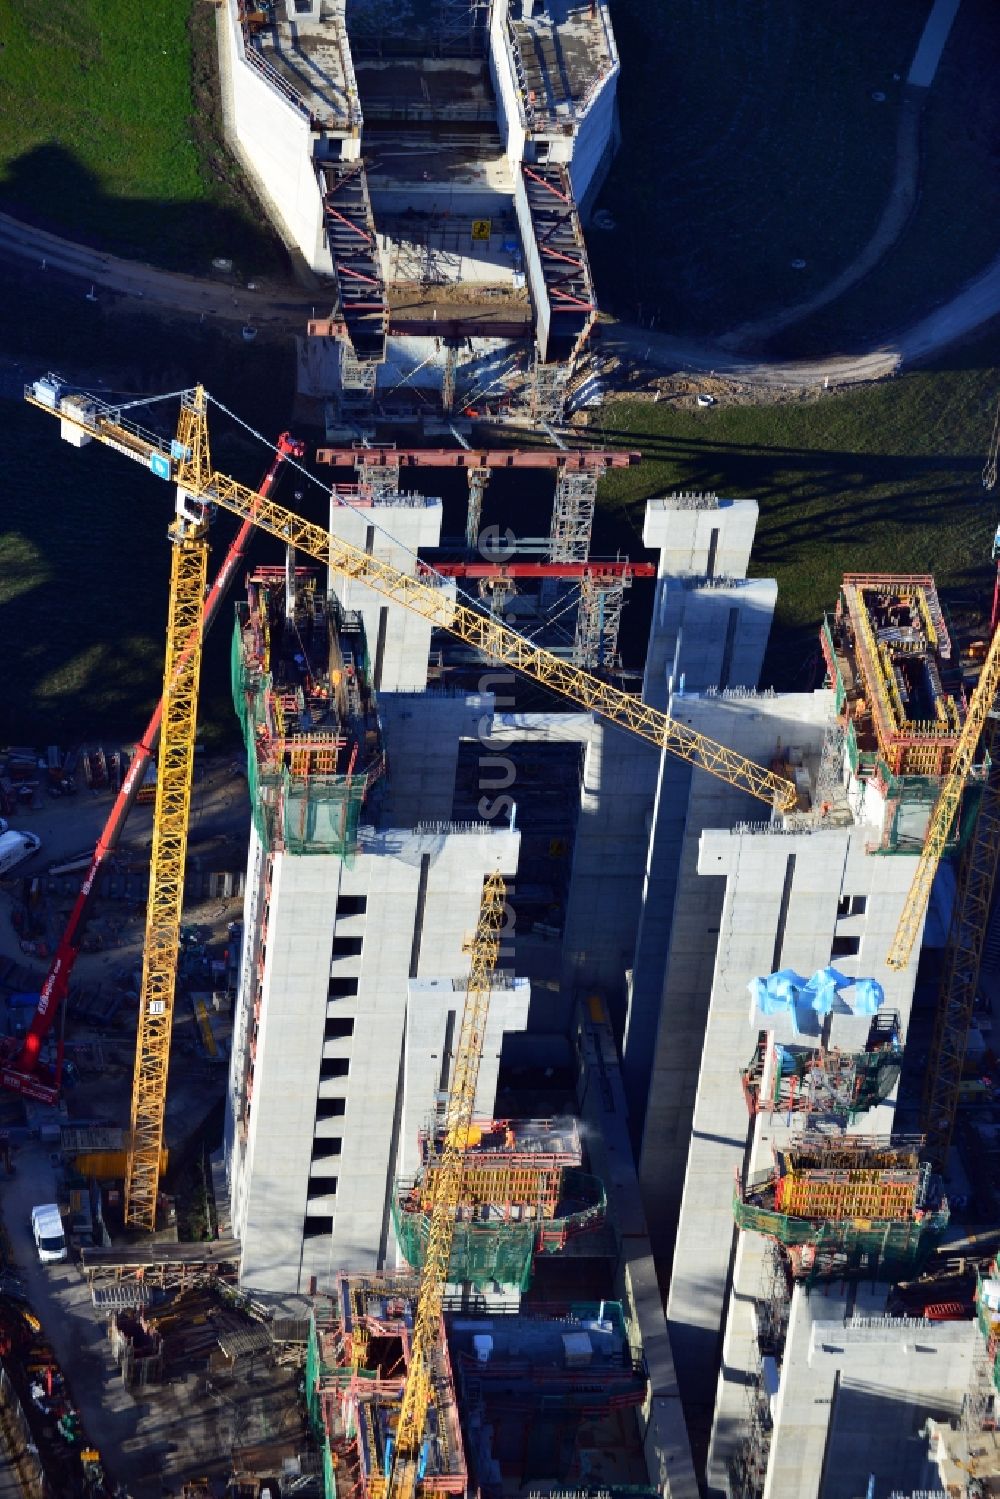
(329, 1481)
(486, 1251)
(314, 814)
(885, 1248)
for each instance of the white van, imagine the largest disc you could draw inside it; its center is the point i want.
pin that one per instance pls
(46, 1225)
(15, 847)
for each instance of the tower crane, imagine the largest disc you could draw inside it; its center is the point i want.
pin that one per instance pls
(973, 904)
(946, 808)
(404, 1458)
(20, 1061)
(187, 461)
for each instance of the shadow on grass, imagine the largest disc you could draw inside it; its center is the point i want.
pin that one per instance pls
(51, 189)
(84, 559)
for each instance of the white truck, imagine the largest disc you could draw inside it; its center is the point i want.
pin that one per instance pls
(15, 847)
(47, 1228)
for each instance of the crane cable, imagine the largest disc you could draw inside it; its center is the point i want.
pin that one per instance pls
(993, 453)
(427, 570)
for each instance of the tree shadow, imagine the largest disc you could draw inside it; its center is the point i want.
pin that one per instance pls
(50, 188)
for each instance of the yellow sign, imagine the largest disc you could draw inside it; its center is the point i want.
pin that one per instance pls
(481, 228)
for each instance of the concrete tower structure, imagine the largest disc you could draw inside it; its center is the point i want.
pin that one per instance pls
(360, 896)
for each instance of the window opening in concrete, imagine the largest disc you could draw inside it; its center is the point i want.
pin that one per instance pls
(449, 1042)
(383, 621)
(369, 539)
(342, 988)
(351, 905)
(397, 1125)
(347, 947)
(326, 1150)
(859, 905)
(418, 920)
(728, 648)
(713, 547)
(328, 1189)
(845, 947)
(786, 895)
(334, 1067)
(317, 1225)
(331, 1108)
(338, 1030)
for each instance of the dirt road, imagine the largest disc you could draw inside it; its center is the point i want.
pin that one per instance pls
(145, 283)
(977, 303)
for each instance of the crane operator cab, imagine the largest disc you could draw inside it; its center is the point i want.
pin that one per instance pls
(47, 1228)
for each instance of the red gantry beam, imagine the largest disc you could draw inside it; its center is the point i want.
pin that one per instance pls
(573, 460)
(544, 569)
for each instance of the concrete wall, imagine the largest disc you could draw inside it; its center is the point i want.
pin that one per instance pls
(398, 639)
(540, 303)
(601, 1101)
(780, 909)
(271, 1183)
(434, 1013)
(508, 105)
(624, 874)
(420, 899)
(421, 733)
(595, 129)
(856, 1387)
(275, 145)
(609, 852)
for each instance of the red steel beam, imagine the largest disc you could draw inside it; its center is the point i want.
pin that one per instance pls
(544, 569)
(574, 460)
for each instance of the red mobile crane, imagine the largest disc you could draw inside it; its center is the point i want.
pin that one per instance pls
(20, 1068)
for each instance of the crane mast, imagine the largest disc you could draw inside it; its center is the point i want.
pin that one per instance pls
(20, 1068)
(175, 765)
(446, 1198)
(945, 809)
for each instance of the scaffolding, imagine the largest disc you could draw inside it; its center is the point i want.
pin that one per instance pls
(523, 1194)
(539, 1391)
(357, 1355)
(826, 1081)
(748, 1465)
(572, 516)
(548, 390)
(895, 672)
(497, 1241)
(599, 617)
(478, 480)
(959, 983)
(847, 1204)
(309, 718)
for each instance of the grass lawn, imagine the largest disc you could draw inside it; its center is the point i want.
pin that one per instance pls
(84, 558)
(750, 139)
(952, 234)
(109, 131)
(881, 479)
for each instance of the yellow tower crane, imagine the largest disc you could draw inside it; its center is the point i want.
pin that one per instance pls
(187, 462)
(446, 1198)
(946, 808)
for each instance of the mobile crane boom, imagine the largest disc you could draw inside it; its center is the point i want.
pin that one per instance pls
(189, 465)
(19, 1065)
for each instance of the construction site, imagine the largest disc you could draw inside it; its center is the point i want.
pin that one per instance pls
(429, 163)
(582, 1082)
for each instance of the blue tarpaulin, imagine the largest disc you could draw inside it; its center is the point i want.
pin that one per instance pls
(868, 996)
